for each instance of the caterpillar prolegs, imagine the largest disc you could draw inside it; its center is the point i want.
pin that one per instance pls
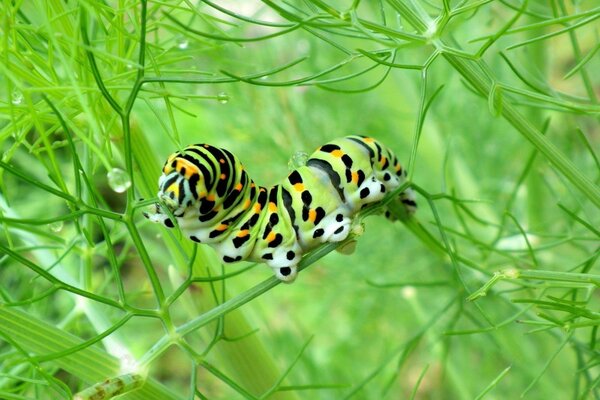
(215, 202)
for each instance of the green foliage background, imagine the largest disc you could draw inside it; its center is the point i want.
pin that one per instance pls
(492, 105)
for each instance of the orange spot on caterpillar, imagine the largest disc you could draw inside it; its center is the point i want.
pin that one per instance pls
(246, 204)
(337, 153)
(210, 197)
(271, 236)
(222, 161)
(355, 177)
(272, 207)
(299, 187)
(221, 227)
(243, 233)
(312, 215)
(368, 140)
(223, 176)
(238, 187)
(257, 208)
(190, 168)
(382, 161)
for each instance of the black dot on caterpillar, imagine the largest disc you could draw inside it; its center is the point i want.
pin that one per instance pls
(215, 201)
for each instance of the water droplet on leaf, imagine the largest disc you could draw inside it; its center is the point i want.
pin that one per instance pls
(183, 45)
(17, 97)
(298, 160)
(118, 180)
(223, 98)
(56, 226)
(409, 292)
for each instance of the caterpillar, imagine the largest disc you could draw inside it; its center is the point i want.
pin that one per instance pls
(215, 201)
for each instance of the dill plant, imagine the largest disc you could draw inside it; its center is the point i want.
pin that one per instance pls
(488, 293)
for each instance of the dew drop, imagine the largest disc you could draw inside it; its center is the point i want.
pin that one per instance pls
(17, 97)
(409, 292)
(223, 98)
(298, 160)
(118, 180)
(56, 226)
(183, 45)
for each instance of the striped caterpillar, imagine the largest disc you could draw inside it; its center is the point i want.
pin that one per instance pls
(214, 201)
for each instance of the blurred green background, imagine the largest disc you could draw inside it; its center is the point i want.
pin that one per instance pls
(391, 320)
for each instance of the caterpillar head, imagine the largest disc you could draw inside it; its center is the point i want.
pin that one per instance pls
(179, 183)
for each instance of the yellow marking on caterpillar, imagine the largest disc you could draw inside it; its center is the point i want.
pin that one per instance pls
(210, 197)
(337, 153)
(222, 161)
(222, 227)
(243, 233)
(382, 161)
(368, 140)
(354, 177)
(257, 208)
(272, 207)
(174, 187)
(299, 187)
(398, 167)
(238, 187)
(167, 167)
(246, 204)
(312, 215)
(223, 176)
(270, 237)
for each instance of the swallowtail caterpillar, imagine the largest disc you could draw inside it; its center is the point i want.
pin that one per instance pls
(215, 201)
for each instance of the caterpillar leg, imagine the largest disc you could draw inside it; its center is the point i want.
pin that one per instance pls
(407, 201)
(283, 259)
(286, 274)
(158, 217)
(347, 248)
(334, 227)
(371, 191)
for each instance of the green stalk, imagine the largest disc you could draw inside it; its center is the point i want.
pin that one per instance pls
(91, 364)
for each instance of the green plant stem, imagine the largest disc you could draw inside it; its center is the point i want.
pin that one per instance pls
(232, 304)
(90, 364)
